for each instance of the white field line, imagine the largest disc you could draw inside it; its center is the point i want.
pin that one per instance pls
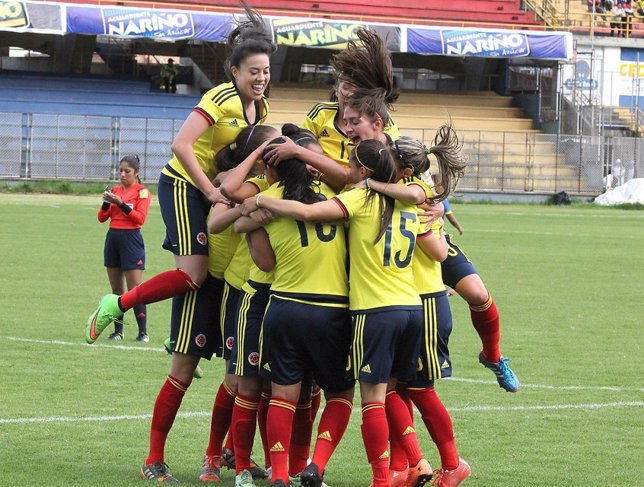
(453, 379)
(546, 386)
(204, 414)
(85, 345)
(557, 234)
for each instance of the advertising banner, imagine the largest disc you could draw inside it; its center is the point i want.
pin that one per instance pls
(13, 14)
(31, 17)
(174, 24)
(313, 33)
(489, 43)
(151, 23)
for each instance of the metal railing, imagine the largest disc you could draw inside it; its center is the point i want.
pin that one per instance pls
(88, 148)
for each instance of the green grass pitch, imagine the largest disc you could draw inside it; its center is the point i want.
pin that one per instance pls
(568, 281)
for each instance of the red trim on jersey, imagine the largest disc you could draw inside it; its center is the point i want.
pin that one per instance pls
(204, 114)
(424, 235)
(345, 212)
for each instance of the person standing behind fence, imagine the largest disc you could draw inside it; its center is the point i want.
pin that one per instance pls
(169, 74)
(126, 207)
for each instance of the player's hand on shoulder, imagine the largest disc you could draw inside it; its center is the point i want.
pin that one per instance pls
(430, 210)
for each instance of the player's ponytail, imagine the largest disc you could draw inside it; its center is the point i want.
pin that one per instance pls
(446, 149)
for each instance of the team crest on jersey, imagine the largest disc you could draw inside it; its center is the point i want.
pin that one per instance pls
(253, 358)
(230, 343)
(200, 340)
(201, 238)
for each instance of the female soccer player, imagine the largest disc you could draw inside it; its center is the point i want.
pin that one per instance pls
(185, 195)
(413, 162)
(185, 187)
(306, 328)
(364, 65)
(365, 119)
(229, 262)
(126, 206)
(386, 310)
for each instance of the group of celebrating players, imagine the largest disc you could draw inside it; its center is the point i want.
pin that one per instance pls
(310, 259)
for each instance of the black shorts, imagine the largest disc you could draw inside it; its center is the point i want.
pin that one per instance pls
(456, 266)
(194, 326)
(228, 319)
(124, 249)
(251, 308)
(434, 360)
(385, 344)
(185, 213)
(300, 340)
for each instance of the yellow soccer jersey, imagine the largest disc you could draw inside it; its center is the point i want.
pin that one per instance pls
(255, 274)
(323, 120)
(381, 274)
(427, 272)
(237, 271)
(311, 258)
(221, 248)
(236, 274)
(222, 108)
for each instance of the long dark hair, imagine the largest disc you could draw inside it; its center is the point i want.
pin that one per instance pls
(248, 139)
(249, 37)
(135, 163)
(446, 148)
(294, 178)
(374, 156)
(367, 65)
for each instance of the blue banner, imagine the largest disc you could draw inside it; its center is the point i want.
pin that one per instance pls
(151, 23)
(489, 43)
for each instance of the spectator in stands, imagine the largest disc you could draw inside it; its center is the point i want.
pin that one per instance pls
(627, 13)
(169, 74)
(595, 5)
(616, 25)
(640, 7)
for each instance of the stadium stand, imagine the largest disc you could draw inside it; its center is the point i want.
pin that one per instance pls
(100, 96)
(412, 11)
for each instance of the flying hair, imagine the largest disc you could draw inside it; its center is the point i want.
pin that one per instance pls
(446, 148)
(250, 36)
(366, 64)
